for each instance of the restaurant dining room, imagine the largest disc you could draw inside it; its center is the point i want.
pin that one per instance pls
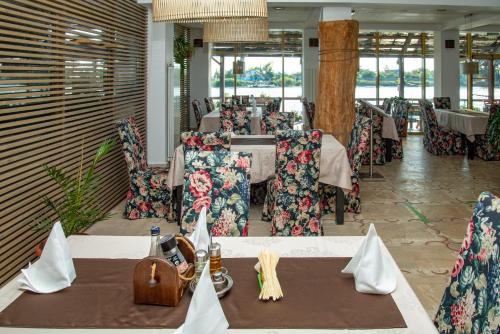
(250, 166)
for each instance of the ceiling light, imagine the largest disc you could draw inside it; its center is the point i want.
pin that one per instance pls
(184, 11)
(279, 8)
(353, 11)
(236, 30)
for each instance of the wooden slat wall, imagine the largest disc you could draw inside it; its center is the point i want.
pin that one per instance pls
(68, 71)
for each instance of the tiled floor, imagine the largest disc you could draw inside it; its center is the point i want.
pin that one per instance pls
(420, 209)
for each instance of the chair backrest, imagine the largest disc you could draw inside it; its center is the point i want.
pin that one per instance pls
(471, 302)
(219, 181)
(236, 120)
(494, 108)
(428, 115)
(206, 141)
(209, 104)
(273, 121)
(442, 102)
(359, 143)
(400, 108)
(309, 108)
(133, 149)
(386, 105)
(198, 113)
(297, 204)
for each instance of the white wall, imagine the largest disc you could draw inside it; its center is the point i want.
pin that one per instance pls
(310, 62)
(160, 55)
(200, 65)
(447, 67)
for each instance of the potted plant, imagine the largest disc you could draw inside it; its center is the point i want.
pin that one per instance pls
(77, 209)
(182, 50)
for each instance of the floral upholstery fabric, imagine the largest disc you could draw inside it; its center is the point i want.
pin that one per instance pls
(378, 142)
(387, 105)
(359, 142)
(273, 121)
(471, 302)
(219, 181)
(148, 195)
(437, 140)
(400, 108)
(237, 121)
(209, 104)
(484, 149)
(198, 113)
(206, 141)
(292, 201)
(442, 103)
(310, 109)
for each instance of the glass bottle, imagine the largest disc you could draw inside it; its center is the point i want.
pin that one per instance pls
(169, 247)
(200, 260)
(155, 249)
(215, 258)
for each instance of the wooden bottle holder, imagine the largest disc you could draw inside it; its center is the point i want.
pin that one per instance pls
(158, 282)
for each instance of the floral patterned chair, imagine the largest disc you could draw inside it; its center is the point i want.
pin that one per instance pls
(236, 120)
(148, 195)
(471, 302)
(206, 141)
(273, 121)
(198, 113)
(292, 203)
(387, 105)
(309, 111)
(400, 109)
(209, 104)
(438, 140)
(442, 102)
(378, 142)
(219, 181)
(484, 149)
(359, 142)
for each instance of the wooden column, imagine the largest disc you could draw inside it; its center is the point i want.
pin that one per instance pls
(336, 86)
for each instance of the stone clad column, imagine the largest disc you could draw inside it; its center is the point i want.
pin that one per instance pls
(339, 58)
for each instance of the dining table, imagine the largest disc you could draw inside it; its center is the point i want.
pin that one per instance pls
(68, 311)
(334, 170)
(211, 122)
(467, 122)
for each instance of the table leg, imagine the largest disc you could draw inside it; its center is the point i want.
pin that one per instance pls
(388, 149)
(178, 204)
(339, 206)
(471, 149)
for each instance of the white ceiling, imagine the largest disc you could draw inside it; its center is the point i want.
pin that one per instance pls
(428, 17)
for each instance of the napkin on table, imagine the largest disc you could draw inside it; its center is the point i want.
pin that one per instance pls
(54, 270)
(205, 314)
(372, 270)
(200, 237)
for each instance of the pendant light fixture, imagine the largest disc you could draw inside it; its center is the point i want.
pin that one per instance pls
(184, 11)
(236, 30)
(469, 67)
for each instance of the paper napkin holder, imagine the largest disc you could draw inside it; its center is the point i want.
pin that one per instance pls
(167, 286)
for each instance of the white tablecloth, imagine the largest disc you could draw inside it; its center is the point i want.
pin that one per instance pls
(114, 247)
(469, 123)
(334, 164)
(211, 121)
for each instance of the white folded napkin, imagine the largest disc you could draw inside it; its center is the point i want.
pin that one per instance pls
(205, 314)
(373, 272)
(200, 237)
(54, 270)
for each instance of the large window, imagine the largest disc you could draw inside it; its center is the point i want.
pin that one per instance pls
(270, 69)
(405, 66)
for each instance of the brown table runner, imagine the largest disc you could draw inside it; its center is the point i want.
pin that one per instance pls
(317, 296)
(253, 141)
